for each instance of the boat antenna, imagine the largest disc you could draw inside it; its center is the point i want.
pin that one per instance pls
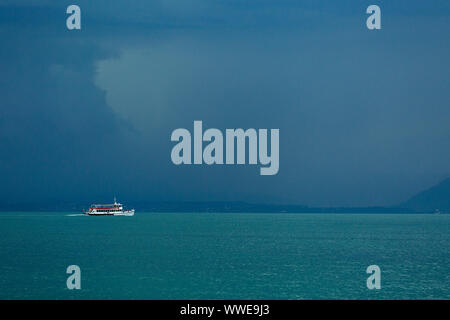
(115, 200)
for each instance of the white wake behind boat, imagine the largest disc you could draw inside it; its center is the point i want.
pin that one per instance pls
(115, 209)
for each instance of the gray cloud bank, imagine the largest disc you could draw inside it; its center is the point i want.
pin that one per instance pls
(363, 116)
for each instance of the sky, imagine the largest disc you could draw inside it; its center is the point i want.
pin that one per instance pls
(87, 114)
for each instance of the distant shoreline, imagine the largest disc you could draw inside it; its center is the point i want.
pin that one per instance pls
(217, 207)
(430, 201)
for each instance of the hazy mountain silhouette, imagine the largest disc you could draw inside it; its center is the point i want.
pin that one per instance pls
(434, 198)
(427, 201)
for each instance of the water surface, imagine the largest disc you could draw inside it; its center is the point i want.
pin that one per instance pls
(224, 256)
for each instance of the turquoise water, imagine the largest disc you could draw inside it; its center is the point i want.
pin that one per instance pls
(224, 256)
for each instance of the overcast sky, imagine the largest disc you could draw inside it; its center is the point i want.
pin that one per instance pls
(364, 116)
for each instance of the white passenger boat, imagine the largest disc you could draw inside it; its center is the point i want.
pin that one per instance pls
(115, 209)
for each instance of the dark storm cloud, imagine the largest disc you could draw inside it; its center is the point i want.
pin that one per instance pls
(53, 119)
(363, 116)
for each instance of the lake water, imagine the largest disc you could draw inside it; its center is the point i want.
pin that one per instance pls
(224, 256)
